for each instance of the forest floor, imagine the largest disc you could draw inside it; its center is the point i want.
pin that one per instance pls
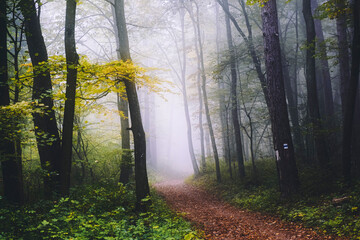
(220, 220)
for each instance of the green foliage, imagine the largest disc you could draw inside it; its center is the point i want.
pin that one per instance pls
(313, 207)
(330, 9)
(93, 212)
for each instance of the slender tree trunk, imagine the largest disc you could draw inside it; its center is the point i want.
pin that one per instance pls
(184, 93)
(126, 159)
(153, 132)
(204, 91)
(293, 110)
(46, 130)
(351, 95)
(284, 149)
(123, 107)
(201, 127)
(312, 99)
(251, 48)
(141, 179)
(68, 123)
(343, 46)
(233, 96)
(146, 123)
(207, 144)
(325, 69)
(290, 84)
(11, 164)
(222, 112)
(18, 39)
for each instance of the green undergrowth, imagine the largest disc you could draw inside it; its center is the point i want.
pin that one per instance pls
(93, 212)
(313, 207)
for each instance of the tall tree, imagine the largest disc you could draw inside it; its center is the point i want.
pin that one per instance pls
(201, 127)
(181, 54)
(343, 48)
(123, 107)
(291, 89)
(284, 149)
(324, 65)
(233, 94)
(251, 48)
(16, 35)
(69, 110)
(311, 86)
(222, 112)
(184, 91)
(200, 97)
(125, 166)
(141, 178)
(352, 90)
(46, 130)
(200, 56)
(10, 163)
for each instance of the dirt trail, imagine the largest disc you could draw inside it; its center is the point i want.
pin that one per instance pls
(220, 220)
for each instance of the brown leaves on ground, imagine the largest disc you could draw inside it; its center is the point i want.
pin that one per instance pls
(220, 220)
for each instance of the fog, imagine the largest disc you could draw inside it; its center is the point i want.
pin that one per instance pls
(171, 137)
(171, 57)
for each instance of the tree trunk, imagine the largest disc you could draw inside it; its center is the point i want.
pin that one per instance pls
(153, 149)
(126, 159)
(343, 46)
(222, 112)
(325, 69)
(184, 93)
(233, 96)
(201, 127)
(123, 107)
(200, 56)
(46, 130)
(284, 149)
(293, 110)
(250, 45)
(11, 164)
(68, 123)
(141, 179)
(351, 95)
(312, 98)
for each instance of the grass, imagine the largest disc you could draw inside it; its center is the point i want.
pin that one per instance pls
(93, 212)
(312, 207)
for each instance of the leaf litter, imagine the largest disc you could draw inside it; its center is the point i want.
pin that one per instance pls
(220, 220)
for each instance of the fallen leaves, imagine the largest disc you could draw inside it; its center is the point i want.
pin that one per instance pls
(220, 220)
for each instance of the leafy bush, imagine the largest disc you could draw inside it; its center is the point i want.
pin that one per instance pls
(93, 212)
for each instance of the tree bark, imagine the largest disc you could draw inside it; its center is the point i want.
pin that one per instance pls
(184, 93)
(46, 130)
(311, 85)
(200, 55)
(325, 69)
(293, 110)
(343, 46)
(141, 179)
(284, 149)
(233, 95)
(222, 112)
(200, 97)
(126, 159)
(72, 59)
(123, 107)
(351, 95)
(11, 164)
(250, 44)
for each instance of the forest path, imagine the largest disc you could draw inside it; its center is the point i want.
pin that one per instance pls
(220, 220)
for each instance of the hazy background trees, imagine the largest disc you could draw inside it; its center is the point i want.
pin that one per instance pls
(223, 89)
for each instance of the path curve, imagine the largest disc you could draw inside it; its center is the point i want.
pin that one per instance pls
(220, 220)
